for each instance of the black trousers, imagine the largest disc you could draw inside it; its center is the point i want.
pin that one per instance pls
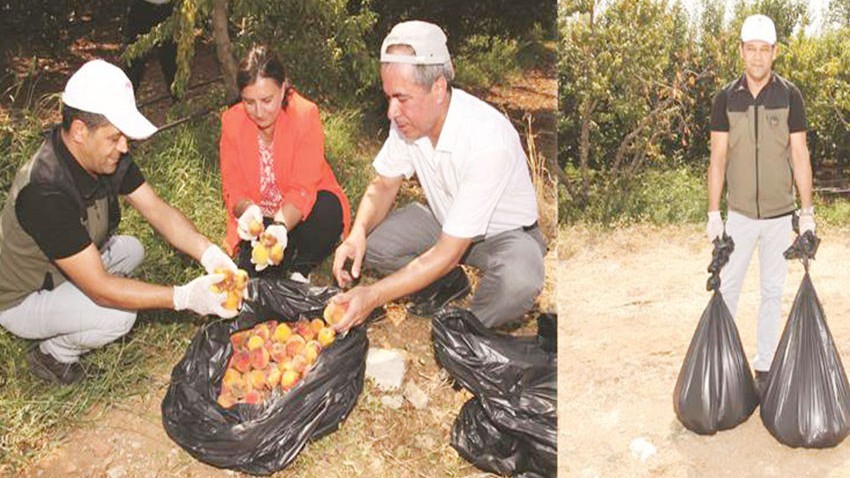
(141, 18)
(309, 243)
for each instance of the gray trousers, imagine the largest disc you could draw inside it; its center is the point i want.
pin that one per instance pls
(511, 262)
(67, 320)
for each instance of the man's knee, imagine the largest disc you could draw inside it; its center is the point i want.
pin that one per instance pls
(118, 324)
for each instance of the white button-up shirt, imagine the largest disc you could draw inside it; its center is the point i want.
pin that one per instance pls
(476, 179)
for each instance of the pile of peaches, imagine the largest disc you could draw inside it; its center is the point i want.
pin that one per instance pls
(272, 357)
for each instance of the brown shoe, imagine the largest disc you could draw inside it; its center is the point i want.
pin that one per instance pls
(45, 367)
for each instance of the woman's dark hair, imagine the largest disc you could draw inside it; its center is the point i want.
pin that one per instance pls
(260, 62)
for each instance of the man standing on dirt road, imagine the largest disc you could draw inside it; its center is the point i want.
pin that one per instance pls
(62, 269)
(482, 207)
(758, 148)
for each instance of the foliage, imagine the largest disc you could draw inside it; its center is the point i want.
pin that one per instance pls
(638, 77)
(320, 42)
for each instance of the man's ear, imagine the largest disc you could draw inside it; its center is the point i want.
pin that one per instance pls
(78, 130)
(440, 89)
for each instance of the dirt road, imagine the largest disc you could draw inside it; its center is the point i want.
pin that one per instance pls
(629, 301)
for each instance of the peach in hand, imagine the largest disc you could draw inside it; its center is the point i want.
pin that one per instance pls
(333, 312)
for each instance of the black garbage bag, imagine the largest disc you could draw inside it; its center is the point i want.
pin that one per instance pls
(261, 439)
(806, 401)
(715, 389)
(510, 427)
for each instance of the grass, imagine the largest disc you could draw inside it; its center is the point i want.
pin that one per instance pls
(666, 196)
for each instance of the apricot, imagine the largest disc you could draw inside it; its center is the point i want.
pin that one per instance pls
(317, 324)
(278, 352)
(226, 400)
(268, 240)
(260, 358)
(233, 300)
(298, 363)
(253, 397)
(326, 336)
(262, 330)
(255, 342)
(240, 279)
(303, 328)
(256, 379)
(333, 312)
(242, 361)
(276, 254)
(231, 376)
(295, 345)
(273, 375)
(238, 390)
(281, 333)
(255, 227)
(238, 340)
(260, 256)
(288, 379)
(311, 351)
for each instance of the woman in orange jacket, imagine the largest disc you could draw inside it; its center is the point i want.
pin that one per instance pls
(274, 172)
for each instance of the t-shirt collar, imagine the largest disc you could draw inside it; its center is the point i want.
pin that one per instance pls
(742, 83)
(90, 188)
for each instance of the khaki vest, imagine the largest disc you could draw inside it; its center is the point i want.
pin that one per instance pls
(759, 176)
(23, 266)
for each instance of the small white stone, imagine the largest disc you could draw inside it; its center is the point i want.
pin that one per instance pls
(642, 448)
(415, 396)
(386, 368)
(392, 401)
(116, 472)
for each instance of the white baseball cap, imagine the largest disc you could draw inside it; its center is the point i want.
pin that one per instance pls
(102, 88)
(426, 39)
(758, 28)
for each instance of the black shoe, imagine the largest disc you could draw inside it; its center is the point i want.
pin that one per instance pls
(45, 367)
(452, 286)
(761, 383)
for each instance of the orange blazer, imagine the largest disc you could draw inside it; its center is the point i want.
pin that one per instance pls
(300, 166)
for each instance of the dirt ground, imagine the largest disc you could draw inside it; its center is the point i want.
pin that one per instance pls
(629, 302)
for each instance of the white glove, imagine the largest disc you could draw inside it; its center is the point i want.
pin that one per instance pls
(714, 228)
(279, 233)
(253, 213)
(197, 297)
(214, 258)
(807, 220)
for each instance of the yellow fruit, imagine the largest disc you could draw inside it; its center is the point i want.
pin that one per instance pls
(333, 312)
(281, 333)
(276, 254)
(240, 279)
(233, 300)
(260, 255)
(326, 336)
(255, 342)
(255, 227)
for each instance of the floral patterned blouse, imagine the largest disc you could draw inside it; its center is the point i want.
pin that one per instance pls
(270, 197)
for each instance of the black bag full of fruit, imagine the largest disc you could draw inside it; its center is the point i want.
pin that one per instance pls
(715, 389)
(266, 437)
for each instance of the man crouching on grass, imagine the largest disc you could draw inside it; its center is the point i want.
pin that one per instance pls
(62, 268)
(482, 208)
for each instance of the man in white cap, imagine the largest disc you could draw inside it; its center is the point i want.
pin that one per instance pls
(482, 208)
(758, 149)
(62, 269)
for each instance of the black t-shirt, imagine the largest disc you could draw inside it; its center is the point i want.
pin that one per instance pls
(52, 218)
(737, 91)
